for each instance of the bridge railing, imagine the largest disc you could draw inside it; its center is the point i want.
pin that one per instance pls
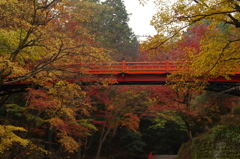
(134, 68)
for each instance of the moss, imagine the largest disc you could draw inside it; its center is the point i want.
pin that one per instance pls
(236, 110)
(206, 148)
(185, 151)
(221, 142)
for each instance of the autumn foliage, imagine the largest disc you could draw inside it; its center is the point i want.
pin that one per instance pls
(46, 48)
(50, 107)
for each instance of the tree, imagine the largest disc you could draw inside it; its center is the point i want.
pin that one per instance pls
(118, 107)
(188, 109)
(63, 109)
(218, 55)
(122, 37)
(42, 37)
(215, 105)
(168, 141)
(179, 50)
(132, 141)
(42, 41)
(109, 23)
(175, 106)
(8, 137)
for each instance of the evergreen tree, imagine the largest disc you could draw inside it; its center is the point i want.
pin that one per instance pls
(110, 26)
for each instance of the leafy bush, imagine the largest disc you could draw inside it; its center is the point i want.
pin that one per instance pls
(236, 110)
(133, 141)
(185, 151)
(226, 132)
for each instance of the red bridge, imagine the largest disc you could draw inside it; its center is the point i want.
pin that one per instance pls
(145, 72)
(151, 73)
(135, 68)
(135, 72)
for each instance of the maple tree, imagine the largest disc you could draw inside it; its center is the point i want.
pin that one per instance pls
(40, 39)
(189, 109)
(43, 37)
(63, 107)
(172, 105)
(216, 105)
(178, 50)
(175, 98)
(8, 137)
(218, 55)
(203, 46)
(117, 107)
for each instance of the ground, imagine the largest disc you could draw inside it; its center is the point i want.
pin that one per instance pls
(164, 157)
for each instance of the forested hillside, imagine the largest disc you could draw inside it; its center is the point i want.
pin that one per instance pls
(51, 108)
(204, 36)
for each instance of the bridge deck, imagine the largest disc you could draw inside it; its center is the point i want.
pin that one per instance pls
(140, 73)
(152, 72)
(145, 72)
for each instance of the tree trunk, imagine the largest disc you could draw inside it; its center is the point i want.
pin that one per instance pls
(48, 141)
(101, 141)
(189, 132)
(83, 149)
(3, 99)
(114, 132)
(14, 153)
(188, 128)
(79, 153)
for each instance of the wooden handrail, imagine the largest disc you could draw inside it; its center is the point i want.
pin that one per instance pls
(134, 68)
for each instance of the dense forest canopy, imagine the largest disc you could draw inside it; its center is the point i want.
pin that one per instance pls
(218, 52)
(47, 112)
